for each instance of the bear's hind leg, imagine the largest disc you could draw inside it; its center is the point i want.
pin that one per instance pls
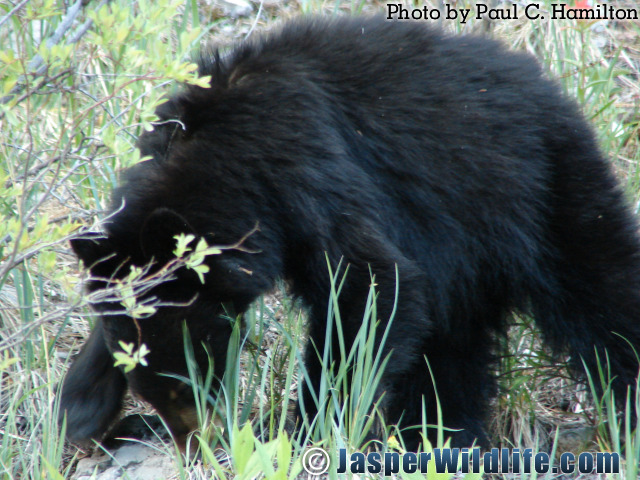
(590, 307)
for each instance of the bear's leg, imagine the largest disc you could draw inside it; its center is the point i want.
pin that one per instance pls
(406, 335)
(589, 303)
(597, 324)
(92, 391)
(460, 366)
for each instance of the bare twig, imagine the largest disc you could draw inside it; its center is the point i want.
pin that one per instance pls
(35, 66)
(59, 76)
(43, 164)
(4, 19)
(10, 340)
(255, 21)
(36, 62)
(85, 26)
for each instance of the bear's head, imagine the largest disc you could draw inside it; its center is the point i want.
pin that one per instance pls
(146, 295)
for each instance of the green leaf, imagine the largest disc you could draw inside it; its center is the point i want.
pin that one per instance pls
(122, 359)
(242, 447)
(127, 347)
(210, 458)
(142, 311)
(201, 270)
(53, 472)
(182, 246)
(130, 359)
(265, 457)
(7, 362)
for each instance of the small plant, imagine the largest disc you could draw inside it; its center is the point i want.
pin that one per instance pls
(346, 398)
(617, 432)
(197, 256)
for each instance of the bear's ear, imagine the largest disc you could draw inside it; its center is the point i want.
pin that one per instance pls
(91, 248)
(158, 232)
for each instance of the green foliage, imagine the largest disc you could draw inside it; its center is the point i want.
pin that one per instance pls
(590, 69)
(77, 84)
(616, 430)
(197, 256)
(130, 358)
(346, 397)
(251, 458)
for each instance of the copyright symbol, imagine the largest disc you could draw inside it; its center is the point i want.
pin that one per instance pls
(315, 461)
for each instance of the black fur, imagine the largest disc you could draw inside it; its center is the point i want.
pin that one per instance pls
(384, 144)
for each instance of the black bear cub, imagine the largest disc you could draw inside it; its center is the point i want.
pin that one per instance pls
(385, 145)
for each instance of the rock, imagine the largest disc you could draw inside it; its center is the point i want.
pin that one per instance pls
(132, 461)
(576, 439)
(235, 8)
